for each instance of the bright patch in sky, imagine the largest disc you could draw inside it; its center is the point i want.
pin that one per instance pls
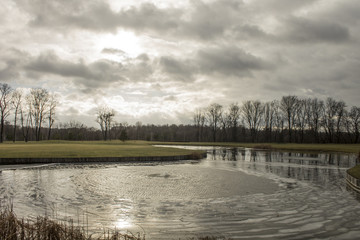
(126, 42)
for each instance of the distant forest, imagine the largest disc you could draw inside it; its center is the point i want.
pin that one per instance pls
(291, 119)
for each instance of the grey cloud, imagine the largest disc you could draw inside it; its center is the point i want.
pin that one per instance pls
(206, 20)
(247, 31)
(114, 51)
(179, 69)
(139, 69)
(221, 60)
(171, 98)
(305, 30)
(11, 62)
(344, 11)
(277, 7)
(98, 16)
(211, 20)
(229, 61)
(49, 62)
(99, 73)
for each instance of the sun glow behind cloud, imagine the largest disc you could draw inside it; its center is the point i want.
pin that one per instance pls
(125, 41)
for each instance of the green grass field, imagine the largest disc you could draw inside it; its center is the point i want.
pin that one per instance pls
(115, 148)
(68, 149)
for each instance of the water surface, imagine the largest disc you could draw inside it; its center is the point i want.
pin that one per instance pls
(238, 193)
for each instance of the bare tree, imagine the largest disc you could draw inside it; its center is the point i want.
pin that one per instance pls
(252, 112)
(234, 117)
(353, 124)
(5, 98)
(199, 121)
(51, 113)
(269, 119)
(214, 112)
(138, 125)
(289, 105)
(104, 118)
(315, 117)
(333, 116)
(26, 118)
(225, 124)
(301, 120)
(340, 113)
(16, 100)
(39, 100)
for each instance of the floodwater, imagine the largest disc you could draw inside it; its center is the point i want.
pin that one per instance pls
(238, 193)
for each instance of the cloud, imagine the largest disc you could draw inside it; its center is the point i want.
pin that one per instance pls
(100, 73)
(210, 20)
(229, 61)
(203, 20)
(178, 69)
(114, 51)
(251, 49)
(301, 30)
(11, 61)
(98, 15)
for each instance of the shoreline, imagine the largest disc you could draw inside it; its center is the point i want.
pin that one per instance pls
(17, 161)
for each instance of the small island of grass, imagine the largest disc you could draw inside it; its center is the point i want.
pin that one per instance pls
(354, 172)
(67, 151)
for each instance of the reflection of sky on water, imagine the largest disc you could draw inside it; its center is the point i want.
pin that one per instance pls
(285, 196)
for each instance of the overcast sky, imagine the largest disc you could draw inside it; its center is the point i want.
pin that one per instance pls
(156, 61)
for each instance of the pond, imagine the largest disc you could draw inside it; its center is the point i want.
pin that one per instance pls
(234, 192)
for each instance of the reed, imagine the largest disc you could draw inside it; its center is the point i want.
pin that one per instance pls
(43, 228)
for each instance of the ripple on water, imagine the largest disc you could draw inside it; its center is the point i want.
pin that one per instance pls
(215, 197)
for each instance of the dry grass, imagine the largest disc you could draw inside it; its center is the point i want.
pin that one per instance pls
(13, 228)
(43, 228)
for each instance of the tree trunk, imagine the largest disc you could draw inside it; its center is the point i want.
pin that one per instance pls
(2, 130)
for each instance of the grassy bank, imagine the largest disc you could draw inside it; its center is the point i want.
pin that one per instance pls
(343, 148)
(68, 149)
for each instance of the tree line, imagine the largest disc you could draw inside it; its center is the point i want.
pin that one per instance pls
(30, 112)
(291, 119)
